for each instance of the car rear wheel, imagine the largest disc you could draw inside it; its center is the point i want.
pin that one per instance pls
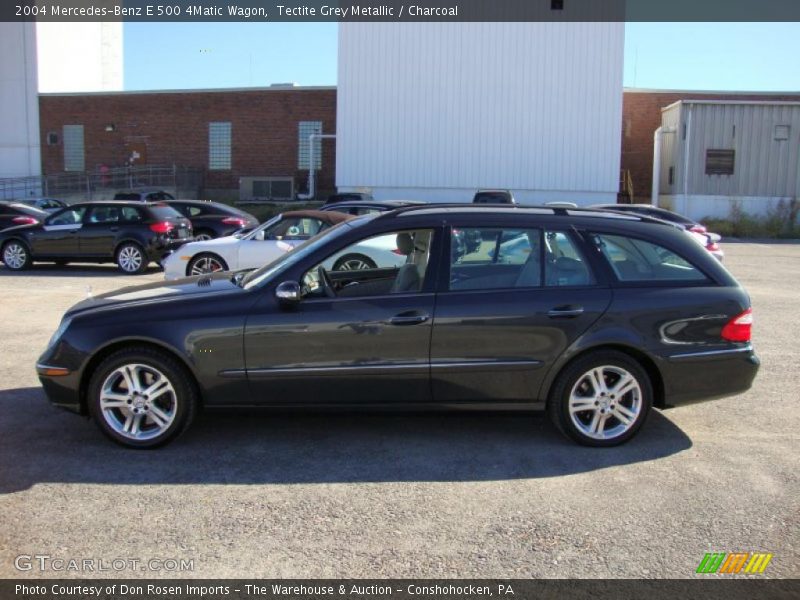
(354, 262)
(131, 259)
(141, 398)
(206, 263)
(601, 399)
(16, 256)
(203, 235)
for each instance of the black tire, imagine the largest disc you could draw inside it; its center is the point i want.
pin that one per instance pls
(209, 258)
(127, 261)
(183, 394)
(575, 377)
(364, 262)
(16, 256)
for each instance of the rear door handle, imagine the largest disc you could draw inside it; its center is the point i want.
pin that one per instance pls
(408, 319)
(565, 312)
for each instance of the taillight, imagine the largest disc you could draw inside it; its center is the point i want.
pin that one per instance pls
(238, 221)
(397, 251)
(712, 246)
(738, 328)
(162, 227)
(698, 228)
(24, 221)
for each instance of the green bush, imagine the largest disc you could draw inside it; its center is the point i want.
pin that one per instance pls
(779, 221)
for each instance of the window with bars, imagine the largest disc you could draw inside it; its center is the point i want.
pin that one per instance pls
(219, 145)
(305, 129)
(74, 157)
(720, 162)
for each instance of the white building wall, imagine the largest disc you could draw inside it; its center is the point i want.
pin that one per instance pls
(80, 57)
(438, 110)
(19, 104)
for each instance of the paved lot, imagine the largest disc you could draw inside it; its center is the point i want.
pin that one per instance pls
(405, 495)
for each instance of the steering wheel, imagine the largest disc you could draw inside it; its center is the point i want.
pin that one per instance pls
(325, 282)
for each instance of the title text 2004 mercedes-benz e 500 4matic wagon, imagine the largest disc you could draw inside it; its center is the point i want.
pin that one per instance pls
(595, 317)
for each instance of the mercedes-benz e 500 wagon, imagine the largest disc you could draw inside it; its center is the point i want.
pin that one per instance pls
(599, 318)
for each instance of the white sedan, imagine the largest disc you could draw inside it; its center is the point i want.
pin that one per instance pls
(275, 237)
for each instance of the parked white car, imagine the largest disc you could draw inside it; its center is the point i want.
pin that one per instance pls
(275, 237)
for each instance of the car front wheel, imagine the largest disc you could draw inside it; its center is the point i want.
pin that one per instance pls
(16, 256)
(141, 398)
(131, 259)
(354, 262)
(205, 263)
(602, 399)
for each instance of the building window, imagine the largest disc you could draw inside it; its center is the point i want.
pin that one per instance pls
(74, 159)
(305, 129)
(671, 178)
(219, 146)
(720, 162)
(781, 132)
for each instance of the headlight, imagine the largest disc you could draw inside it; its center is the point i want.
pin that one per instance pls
(62, 327)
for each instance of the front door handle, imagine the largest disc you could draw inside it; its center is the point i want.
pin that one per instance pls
(565, 312)
(409, 319)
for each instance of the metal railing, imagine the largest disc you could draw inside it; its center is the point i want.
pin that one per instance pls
(104, 182)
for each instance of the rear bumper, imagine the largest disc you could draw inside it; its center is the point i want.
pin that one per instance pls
(695, 376)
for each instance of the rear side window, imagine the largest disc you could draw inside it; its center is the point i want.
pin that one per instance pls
(563, 263)
(637, 260)
(129, 213)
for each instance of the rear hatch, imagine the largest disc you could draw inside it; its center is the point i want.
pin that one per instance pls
(169, 223)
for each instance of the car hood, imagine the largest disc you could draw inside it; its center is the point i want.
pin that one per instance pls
(159, 292)
(207, 245)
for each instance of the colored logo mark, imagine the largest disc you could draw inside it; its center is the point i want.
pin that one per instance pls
(734, 562)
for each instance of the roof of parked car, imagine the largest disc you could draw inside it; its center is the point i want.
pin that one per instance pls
(328, 216)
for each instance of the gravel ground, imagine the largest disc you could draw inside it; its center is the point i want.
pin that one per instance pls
(346, 495)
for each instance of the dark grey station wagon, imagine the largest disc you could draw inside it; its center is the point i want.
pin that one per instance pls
(593, 316)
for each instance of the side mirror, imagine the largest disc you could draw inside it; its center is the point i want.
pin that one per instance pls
(288, 293)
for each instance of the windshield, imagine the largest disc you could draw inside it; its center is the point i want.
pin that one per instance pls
(284, 261)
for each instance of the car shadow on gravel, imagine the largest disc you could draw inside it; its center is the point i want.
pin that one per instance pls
(42, 444)
(72, 270)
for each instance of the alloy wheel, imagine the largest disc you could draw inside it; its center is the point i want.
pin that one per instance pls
(130, 259)
(605, 402)
(14, 255)
(206, 264)
(138, 401)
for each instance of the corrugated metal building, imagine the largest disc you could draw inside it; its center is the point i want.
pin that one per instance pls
(714, 153)
(437, 110)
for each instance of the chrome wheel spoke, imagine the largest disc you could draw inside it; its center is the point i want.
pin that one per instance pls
(622, 417)
(623, 386)
(159, 417)
(580, 404)
(161, 386)
(598, 380)
(112, 400)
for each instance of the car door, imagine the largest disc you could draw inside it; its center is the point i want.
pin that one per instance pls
(100, 229)
(507, 310)
(368, 343)
(58, 237)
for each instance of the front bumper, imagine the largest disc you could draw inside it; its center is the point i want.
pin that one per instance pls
(61, 386)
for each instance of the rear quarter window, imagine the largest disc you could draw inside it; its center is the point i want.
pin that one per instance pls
(636, 260)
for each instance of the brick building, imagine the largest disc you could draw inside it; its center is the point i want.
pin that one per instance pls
(245, 140)
(263, 127)
(641, 116)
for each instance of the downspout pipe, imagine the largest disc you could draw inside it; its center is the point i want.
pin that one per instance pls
(312, 191)
(656, 167)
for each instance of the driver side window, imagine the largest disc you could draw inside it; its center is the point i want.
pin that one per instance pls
(390, 263)
(72, 216)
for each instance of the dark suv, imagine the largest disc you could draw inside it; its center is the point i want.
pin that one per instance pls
(595, 317)
(131, 234)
